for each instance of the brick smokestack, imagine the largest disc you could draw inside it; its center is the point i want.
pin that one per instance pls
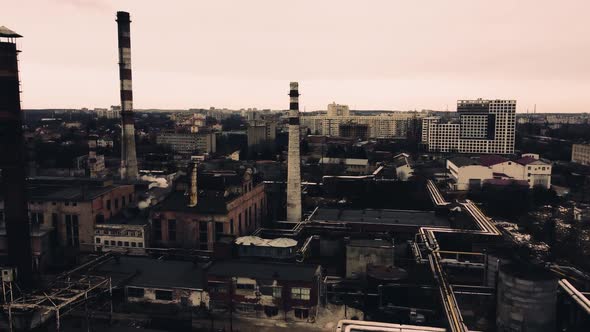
(13, 161)
(294, 160)
(193, 193)
(92, 143)
(128, 157)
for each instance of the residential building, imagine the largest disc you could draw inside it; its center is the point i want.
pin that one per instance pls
(581, 154)
(484, 126)
(354, 130)
(390, 125)
(338, 110)
(187, 143)
(282, 291)
(226, 203)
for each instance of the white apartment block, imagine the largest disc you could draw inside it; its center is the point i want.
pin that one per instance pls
(189, 142)
(485, 126)
(581, 154)
(394, 125)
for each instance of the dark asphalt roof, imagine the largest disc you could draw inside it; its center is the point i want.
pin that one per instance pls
(207, 203)
(150, 272)
(463, 161)
(263, 270)
(490, 160)
(380, 216)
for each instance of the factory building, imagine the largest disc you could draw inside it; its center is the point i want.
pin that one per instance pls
(208, 205)
(70, 208)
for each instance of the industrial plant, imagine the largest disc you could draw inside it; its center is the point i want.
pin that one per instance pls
(268, 220)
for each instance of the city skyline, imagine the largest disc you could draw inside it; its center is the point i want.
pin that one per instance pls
(235, 55)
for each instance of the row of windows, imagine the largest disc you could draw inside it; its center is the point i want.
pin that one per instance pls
(296, 293)
(117, 232)
(119, 243)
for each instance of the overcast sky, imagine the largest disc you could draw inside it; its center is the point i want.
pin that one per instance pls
(368, 54)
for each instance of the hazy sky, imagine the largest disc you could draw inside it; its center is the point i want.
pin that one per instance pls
(368, 54)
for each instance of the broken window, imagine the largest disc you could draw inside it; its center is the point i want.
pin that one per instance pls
(135, 292)
(163, 295)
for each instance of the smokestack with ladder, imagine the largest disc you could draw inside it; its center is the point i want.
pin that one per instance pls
(13, 161)
(193, 193)
(294, 161)
(128, 157)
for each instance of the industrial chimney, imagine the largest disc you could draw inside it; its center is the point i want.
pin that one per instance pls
(294, 161)
(193, 186)
(12, 161)
(92, 158)
(128, 157)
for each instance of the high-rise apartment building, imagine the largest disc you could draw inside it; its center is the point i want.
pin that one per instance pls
(484, 126)
(388, 125)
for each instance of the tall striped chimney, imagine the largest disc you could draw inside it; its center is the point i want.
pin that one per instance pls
(294, 161)
(128, 157)
(13, 161)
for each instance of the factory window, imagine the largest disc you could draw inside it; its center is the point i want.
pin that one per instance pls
(301, 313)
(277, 292)
(99, 218)
(231, 226)
(218, 230)
(123, 201)
(203, 232)
(135, 292)
(163, 295)
(36, 218)
(255, 214)
(108, 204)
(249, 215)
(157, 223)
(120, 243)
(2, 215)
(140, 244)
(245, 286)
(298, 293)
(97, 240)
(270, 311)
(240, 224)
(133, 244)
(67, 203)
(72, 236)
(113, 243)
(126, 244)
(116, 203)
(74, 204)
(130, 198)
(172, 230)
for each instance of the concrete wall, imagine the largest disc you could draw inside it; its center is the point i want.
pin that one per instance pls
(462, 175)
(359, 256)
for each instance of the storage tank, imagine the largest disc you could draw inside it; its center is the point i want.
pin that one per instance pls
(526, 299)
(494, 261)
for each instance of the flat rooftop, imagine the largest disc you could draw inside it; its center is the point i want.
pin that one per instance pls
(152, 273)
(381, 216)
(263, 270)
